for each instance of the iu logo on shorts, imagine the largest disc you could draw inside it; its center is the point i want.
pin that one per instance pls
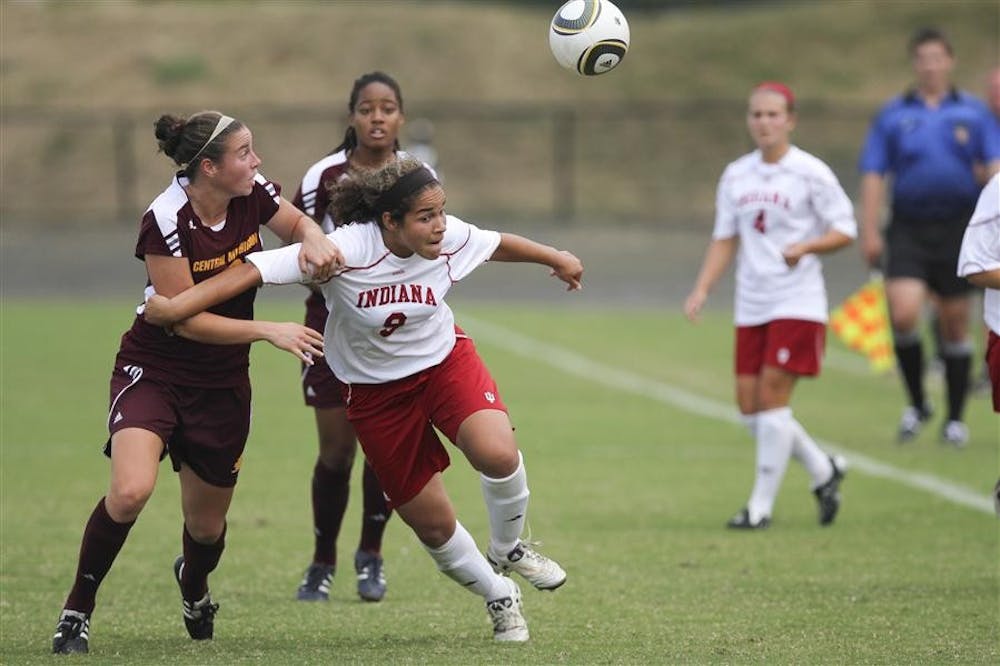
(490, 397)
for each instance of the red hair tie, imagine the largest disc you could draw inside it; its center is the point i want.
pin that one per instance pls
(781, 89)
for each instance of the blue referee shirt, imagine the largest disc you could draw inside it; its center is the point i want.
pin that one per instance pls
(930, 154)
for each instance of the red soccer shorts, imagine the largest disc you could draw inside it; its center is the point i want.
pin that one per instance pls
(794, 345)
(395, 421)
(993, 362)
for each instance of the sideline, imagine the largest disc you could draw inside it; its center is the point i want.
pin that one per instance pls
(574, 364)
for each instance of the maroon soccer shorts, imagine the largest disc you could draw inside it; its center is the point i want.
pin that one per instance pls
(320, 387)
(395, 421)
(794, 345)
(205, 428)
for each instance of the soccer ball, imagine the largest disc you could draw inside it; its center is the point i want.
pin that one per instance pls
(589, 36)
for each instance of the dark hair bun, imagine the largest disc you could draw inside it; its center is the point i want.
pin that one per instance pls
(168, 133)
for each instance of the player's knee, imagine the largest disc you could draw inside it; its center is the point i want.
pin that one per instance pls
(205, 529)
(126, 499)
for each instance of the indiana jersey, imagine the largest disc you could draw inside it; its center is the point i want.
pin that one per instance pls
(981, 248)
(170, 227)
(388, 318)
(771, 206)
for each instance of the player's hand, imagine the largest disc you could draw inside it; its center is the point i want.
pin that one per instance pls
(569, 269)
(158, 312)
(300, 341)
(320, 258)
(793, 253)
(693, 304)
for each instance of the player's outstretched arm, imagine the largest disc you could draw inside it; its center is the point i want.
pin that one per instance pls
(162, 311)
(564, 265)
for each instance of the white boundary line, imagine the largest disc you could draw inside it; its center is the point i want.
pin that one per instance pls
(574, 364)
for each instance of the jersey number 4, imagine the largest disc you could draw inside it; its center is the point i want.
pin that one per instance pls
(758, 222)
(391, 323)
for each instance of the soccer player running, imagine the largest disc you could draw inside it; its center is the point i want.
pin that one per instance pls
(979, 263)
(777, 208)
(375, 109)
(932, 141)
(408, 369)
(187, 395)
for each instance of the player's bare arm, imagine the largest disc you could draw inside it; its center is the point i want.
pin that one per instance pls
(564, 265)
(184, 313)
(719, 255)
(319, 257)
(986, 279)
(175, 307)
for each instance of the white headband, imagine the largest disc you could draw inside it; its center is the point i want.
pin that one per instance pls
(220, 127)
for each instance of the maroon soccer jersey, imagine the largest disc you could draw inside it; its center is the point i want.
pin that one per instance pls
(313, 199)
(170, 227)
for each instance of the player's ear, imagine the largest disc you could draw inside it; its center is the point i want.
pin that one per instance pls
(387, 222)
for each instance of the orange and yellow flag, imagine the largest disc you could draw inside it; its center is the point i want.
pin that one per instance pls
(862, 323)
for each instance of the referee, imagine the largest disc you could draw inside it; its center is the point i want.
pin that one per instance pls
(931, 142)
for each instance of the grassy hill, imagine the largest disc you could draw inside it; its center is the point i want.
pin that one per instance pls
(83, 81)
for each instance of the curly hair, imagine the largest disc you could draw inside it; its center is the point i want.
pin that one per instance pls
(353, 199)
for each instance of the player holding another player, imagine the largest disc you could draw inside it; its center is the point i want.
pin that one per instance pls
(409, 369)
(375, 111)
(779, 207)
(188, 395)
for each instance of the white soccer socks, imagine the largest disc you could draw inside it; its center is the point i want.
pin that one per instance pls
(775, 437)
(813, 458)
(507, 505)
(459, 559)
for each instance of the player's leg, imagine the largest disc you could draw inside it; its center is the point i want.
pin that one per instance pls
(207, 453)
(467, 407)
(329, 492)
(204, 539)
(432, 517)
(748, 361)
(135, 457)
(775, 437)
(368, 563)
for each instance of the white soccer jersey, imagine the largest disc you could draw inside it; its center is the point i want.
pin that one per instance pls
(981, 248)
(388, 316)
(771, 206)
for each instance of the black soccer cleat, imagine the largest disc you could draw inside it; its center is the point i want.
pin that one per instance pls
(72, 633)
(199, 616)
(828, 494)
(371, 575)
(315, 585)
(741, 521)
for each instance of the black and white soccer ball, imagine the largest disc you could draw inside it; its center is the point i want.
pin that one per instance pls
(589, 36)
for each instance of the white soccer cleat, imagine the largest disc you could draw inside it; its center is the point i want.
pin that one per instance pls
(542, 572)
(505, 613)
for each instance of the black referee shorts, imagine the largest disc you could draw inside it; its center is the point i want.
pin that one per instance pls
(927, 252)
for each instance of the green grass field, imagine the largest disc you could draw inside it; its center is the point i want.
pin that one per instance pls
(634, 461)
